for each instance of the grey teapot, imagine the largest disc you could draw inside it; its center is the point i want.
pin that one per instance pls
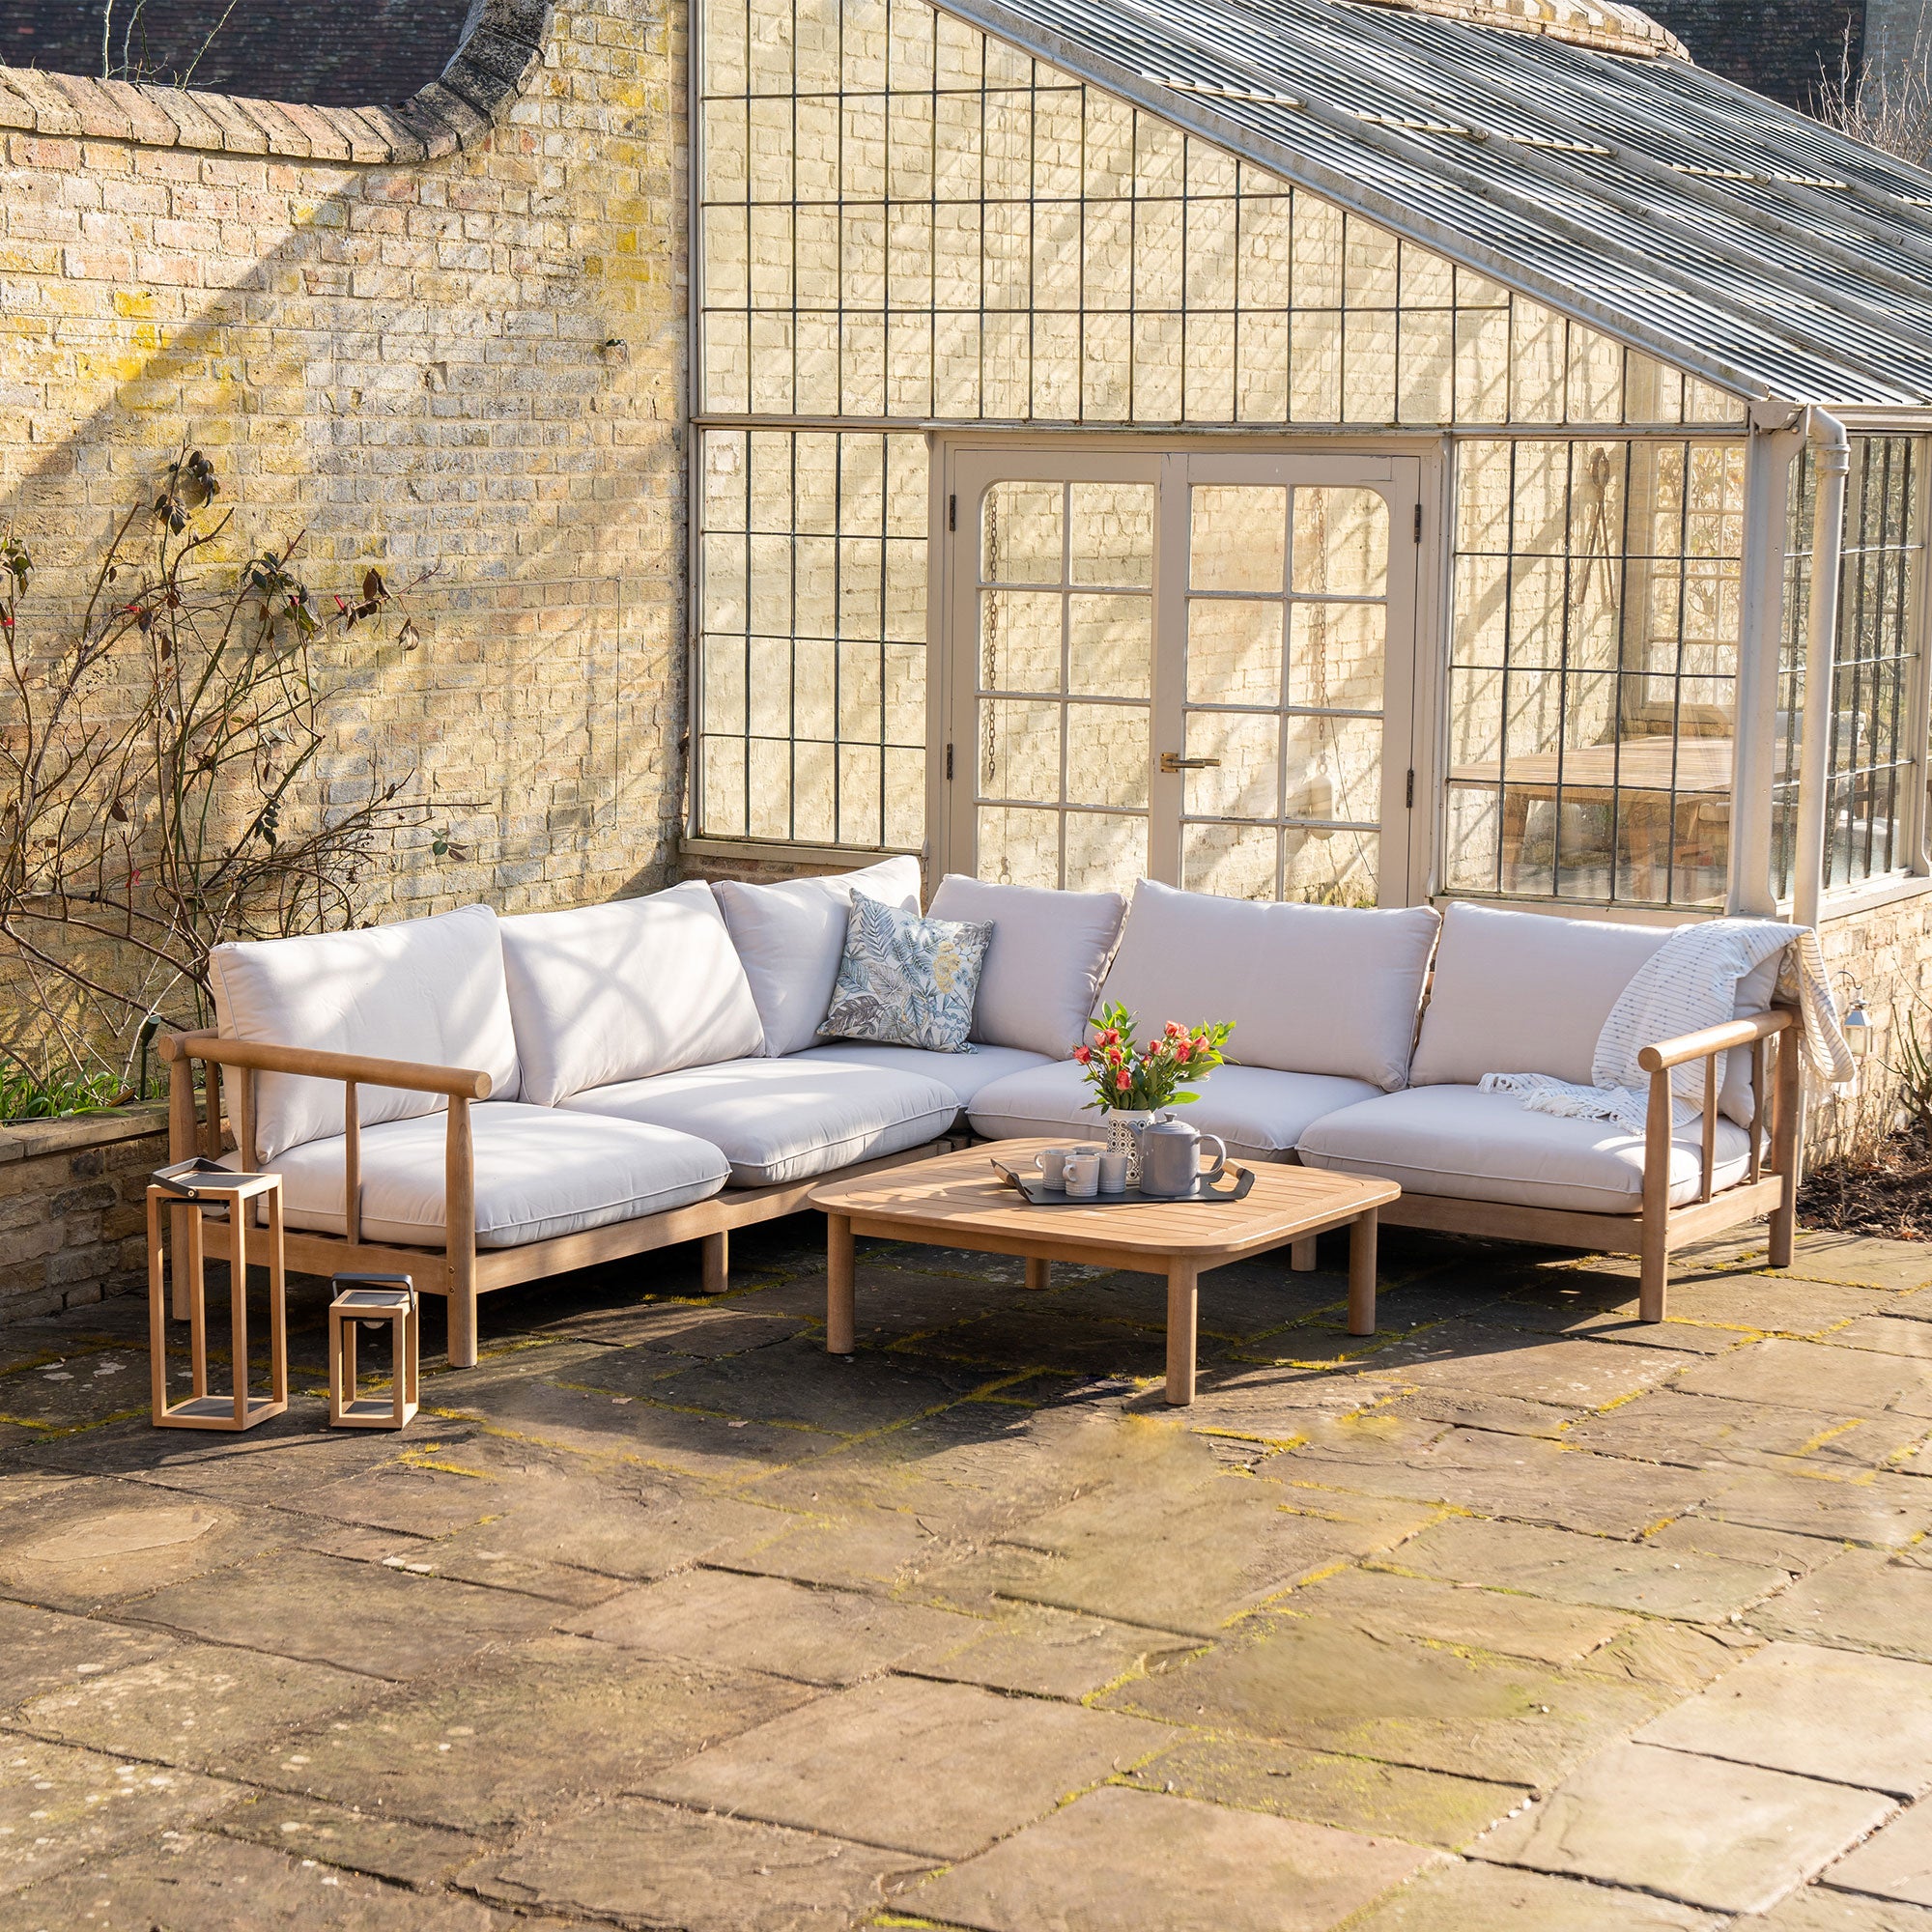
(1170, 1157)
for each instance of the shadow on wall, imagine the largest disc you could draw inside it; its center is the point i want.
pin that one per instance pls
(409, 372)
(334, 53)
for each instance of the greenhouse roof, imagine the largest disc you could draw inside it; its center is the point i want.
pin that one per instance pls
(1733, 235)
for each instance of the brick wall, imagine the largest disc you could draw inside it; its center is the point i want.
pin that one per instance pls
(387, 328)
(1781, 48)
(73, 1207)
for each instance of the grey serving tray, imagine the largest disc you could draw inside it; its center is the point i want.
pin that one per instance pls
(1040, 1195)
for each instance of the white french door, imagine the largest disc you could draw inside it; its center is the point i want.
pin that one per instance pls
(1197, 666)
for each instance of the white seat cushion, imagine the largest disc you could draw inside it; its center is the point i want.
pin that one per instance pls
(622, 991)
(961, 1074)
(1043, 965)
(1528, 992)
(792, 936)
(539, 1173)
(1259, 1112)
(1489, 1146)
(1311, 989)
(784, 1119)
(429, 990)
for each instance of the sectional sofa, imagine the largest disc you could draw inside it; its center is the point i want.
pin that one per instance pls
(482, 1100)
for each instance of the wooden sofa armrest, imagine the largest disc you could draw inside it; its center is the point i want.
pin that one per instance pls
(458, 1083)
(1747, 1032)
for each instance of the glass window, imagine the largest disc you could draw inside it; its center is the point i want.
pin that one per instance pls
(1593, 671)
(1874, 765)
(811, 699)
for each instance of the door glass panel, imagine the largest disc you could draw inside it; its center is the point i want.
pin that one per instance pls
(1297, 735)
(1063, 682)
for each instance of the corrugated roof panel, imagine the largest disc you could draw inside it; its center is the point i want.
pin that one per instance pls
(1734, 234)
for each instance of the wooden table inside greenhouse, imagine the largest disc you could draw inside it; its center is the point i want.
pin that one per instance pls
(1650, 778)
(956, 1200)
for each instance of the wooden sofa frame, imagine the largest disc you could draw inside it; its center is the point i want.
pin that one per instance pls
(460, 1274)
(457, 1270)
(1658, 1229)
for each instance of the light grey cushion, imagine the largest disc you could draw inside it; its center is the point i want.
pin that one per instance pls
(962, 1075)
(784, 1119)
(1528, 992)
(625, 990)
(906, 978)
(1311, 989)
(1043, 965)
(539, 1174)
(790, 937)
(429, 990)
(1260, 1113)
(1489, 1146)
(1523, 992)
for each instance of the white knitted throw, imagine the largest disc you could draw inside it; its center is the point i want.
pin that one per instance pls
(1688, 983)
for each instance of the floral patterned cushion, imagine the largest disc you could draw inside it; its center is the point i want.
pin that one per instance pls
(907, 980)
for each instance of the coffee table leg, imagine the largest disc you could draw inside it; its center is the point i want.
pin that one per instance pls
(1362, 1274)
(1038, 1274)
(1301, 1256)
(840, 1316)
(1183, 1280)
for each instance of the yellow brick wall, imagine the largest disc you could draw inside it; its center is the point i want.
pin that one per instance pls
(405, 359)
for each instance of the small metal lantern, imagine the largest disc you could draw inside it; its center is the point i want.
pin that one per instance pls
(198, 1187)
(371, 1300)
(1857, 1026)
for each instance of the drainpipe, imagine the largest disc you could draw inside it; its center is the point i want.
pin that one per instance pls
(1832, 460)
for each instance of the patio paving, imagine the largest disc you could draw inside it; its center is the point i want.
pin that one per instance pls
(1519, 1614)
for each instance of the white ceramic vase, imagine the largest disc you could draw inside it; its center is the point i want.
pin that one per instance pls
(1124, 1135)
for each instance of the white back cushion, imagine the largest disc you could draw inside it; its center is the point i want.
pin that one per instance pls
(1311, 989)
(621, 991)
(790, 937)
(424, 989)
(1044, 967)
(1523, 992)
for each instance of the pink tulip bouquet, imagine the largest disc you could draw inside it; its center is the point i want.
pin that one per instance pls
(1127, 1076)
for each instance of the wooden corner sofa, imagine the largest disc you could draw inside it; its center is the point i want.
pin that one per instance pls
(481, 1102)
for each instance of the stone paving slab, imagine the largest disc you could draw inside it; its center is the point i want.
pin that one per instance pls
(1863, 1601)
(387, 1623)
(935, 1769)
(1117, 1857)
(91, 1545)
(764, 1623)
(1817, 1909)
(1475, 1898)
(1357, 1794)
(1896, 1863)
(519, 1734)
(1709, 1430)
(1328, 1686)
(1810, 1376)
(1569, 1568)
(1385, 1604)
(644, 1863)
(1796, 1555)
(196, 1706)
(59, 1804)
(1864, 1720)
(1862, 1260)
(1042, 1652)
(417, 1856)
(1875, 1508)
(1726, 1836)
(48, 1650)
(1888, 1334)
(191, 1881)
(1575, 1374)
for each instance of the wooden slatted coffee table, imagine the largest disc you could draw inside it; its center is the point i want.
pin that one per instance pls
(956, 1200)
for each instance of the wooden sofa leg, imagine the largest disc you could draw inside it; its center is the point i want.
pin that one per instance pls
(462, 1306)
(714, 1251)
(1787, 1124)
(1654, 1281)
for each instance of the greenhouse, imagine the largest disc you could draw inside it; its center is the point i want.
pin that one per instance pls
(1343, 452)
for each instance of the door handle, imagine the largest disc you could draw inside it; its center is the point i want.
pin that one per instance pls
(1173, 761)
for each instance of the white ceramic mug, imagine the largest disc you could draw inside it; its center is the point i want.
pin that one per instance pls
(1080, 1173)
(1052, 1162)
(1114, 1170)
